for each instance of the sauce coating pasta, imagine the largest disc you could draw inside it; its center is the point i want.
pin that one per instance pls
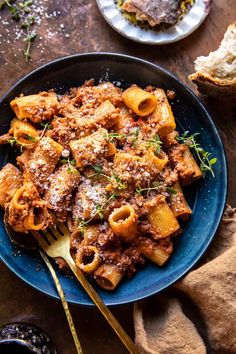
(108, 163)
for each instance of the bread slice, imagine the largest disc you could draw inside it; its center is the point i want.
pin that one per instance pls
(216, 73)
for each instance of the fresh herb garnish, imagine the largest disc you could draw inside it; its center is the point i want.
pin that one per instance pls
(30, 138)
(135, 134)
(112, 136)
(71, 165)
(154, 186)
(172, 190)
(113, 178)
(20, 12)
(12, 141)
(156, 143)
(204, 157)
(97, 168)
(30, 35)
(119, 183)
(46, 126)
(99, 210)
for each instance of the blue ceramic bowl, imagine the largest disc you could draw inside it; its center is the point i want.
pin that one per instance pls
(206, 198)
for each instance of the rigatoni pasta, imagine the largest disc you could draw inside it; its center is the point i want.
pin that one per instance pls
(107, 162)
(37, 108)
(141, 102)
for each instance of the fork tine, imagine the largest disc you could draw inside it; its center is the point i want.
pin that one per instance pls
(62, 227)
(48, 236)
(55, 232)
(43, 244)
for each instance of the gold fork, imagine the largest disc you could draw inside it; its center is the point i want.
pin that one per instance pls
(56, 243)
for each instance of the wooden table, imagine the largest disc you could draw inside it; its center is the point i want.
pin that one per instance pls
(77, 28)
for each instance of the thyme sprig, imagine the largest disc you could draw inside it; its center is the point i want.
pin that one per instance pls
(135, 134)
(46, 126)
(155, 186)
(99, 211)
(30, 35)
(156, 143)
(205, 158)
(12, 141)
(113, 178)
(20, 12)
(113, 136)
(71, 165)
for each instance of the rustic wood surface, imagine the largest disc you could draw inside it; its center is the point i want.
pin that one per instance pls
(76, 27)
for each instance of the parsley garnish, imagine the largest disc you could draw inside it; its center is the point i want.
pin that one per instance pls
(204, 157)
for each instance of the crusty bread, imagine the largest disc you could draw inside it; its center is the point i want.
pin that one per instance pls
(216, 73)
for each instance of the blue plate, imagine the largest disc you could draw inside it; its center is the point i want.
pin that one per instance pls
(206, 198)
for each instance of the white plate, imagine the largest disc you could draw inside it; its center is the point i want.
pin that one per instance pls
(190, 22)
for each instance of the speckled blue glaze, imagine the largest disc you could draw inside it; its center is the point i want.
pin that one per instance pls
(207, 197)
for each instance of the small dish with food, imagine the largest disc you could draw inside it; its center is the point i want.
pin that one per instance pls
(152, 21)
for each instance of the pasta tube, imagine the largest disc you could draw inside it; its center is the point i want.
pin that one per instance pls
(191, 165)
(27, 211)
(106, 115)
(139, 101)
(178, 203)
(41, 162)
(157, 252)
(158, 160)
(163, 116)
(108, 276)
(87, 258)
(89, 149)
(58, 195)
(123, 222)
(10, 180)
(37, 108)
(24, 133)
(162, 219)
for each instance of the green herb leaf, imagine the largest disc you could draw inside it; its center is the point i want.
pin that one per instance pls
(204, 157)
(47, 125)
(154, 186)
(112, 136)
(135, 134)
(119, 182)
(156, 143)
(30, 138)
(97, 168)
(12, 141)
(172, 190)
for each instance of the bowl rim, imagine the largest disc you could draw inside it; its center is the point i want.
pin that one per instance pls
(213, 127)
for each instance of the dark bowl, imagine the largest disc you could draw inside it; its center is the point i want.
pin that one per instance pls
(206, 198)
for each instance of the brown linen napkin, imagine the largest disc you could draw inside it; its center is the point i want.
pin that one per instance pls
(199, 314)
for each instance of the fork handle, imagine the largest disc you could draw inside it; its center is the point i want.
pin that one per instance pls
(102, 307)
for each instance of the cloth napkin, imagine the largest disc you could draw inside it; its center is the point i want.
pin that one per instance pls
(198, 314)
